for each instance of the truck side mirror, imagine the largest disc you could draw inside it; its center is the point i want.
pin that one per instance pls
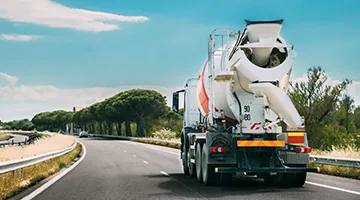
(175, 102)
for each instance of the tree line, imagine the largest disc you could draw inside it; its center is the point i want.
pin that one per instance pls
(135, 112)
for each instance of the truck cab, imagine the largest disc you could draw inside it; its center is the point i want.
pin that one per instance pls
(190, 107)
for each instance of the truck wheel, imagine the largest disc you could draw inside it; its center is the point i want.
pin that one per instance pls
(298, 179)
(225, 179)
(280, 179)
(198, 162)
(208, 172)
(191, 166)
(184, 164)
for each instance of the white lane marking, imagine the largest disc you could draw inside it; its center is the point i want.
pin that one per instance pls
(134, 156)
(56, 178)
(145, 162)
(334, 188)
(166, 174)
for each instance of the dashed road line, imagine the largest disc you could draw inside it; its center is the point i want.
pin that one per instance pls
(167, 175)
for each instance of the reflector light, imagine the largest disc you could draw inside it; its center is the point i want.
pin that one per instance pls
(303, 149)
(218, 149)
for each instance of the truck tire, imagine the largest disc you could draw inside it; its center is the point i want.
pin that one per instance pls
(208, 171)
(184, 163)
(198, 162)
(280, 179)
(191, 166)
(298, 179)
(225, 179)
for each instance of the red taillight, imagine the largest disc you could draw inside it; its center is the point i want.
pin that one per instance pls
(303, 149)
(217, 149)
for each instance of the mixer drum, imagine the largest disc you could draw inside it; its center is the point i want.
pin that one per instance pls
(262, 57)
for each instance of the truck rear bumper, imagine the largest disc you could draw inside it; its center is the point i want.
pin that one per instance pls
(266, 170)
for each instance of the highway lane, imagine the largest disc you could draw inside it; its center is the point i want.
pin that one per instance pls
(19, 138)
(115, 169)
(16, 138)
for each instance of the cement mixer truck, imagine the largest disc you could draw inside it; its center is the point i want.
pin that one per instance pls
(238, 118)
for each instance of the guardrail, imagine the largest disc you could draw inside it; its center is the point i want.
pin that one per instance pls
(344, 162)
(132, 138)
(12, 165)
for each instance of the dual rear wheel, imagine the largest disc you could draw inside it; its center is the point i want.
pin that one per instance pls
(203, 171)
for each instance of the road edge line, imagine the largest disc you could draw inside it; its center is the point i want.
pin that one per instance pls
(56, 178)
(332, 187)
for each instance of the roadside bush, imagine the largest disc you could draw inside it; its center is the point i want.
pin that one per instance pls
(164, 134)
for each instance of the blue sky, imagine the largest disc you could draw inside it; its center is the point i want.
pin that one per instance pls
(171, 45)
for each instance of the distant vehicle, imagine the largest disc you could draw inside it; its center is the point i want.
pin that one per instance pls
(34, 131)
(61, 132)
(83, 134)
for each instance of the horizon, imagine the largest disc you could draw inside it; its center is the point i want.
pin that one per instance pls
(50, 62)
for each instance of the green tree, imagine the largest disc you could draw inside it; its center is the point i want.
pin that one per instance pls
(115, 112)
(356, 117)
(316, 101)
(347, 104)
(140, 104)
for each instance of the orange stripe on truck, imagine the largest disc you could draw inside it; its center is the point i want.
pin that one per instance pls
(203, 97)
(260, 143)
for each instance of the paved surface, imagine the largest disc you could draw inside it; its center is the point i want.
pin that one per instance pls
(16, 138)
(125, 170)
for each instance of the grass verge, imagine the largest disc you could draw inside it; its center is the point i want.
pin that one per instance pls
(347, 172)
(16, 181)
(3, 136)
(159, 143)
(348, 152)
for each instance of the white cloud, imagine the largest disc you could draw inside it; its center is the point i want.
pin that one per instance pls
(10, 80)
(52, 14)
(18, 37)
(26, 101)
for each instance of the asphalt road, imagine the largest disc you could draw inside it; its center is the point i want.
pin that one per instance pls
(16, 138)
(114, 169)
